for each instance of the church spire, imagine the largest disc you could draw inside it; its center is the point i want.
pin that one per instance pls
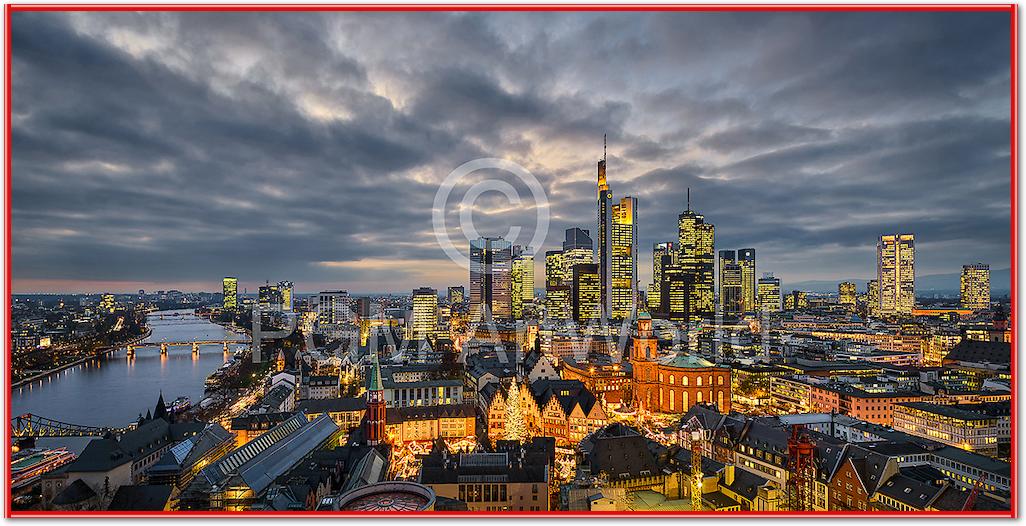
(161, 410)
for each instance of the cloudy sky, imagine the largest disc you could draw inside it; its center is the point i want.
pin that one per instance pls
(166, 150)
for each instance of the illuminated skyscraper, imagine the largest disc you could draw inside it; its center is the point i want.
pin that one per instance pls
(555, 270)
(286, 290)
(769, 293)
(521, 282)
(976, 286)
(896, 255)
(624, 258)
(730, 284)
(456, 295)
(425, 313)
(269, 297)
(490, 284)
(796, 300)
(585, 292)
(749, 293)
(872, 297)
(230, 288)
(557, 294)
(846, 294)
(603, 243)
(675, 291)
(696, 259)
(658, 251)
(107, 303)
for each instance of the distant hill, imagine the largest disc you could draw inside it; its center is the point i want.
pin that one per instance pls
(1000, 283)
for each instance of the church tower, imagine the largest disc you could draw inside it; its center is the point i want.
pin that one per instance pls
(375, 418)
(645, 346)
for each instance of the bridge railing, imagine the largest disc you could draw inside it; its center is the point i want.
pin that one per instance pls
(30, 425)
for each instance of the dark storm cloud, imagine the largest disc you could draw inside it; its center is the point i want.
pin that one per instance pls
(175, 148)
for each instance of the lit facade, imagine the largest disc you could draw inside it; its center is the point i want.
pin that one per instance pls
(658, 251)
(456, 295)
(872, 297)
(673, 384)
(333, 307)
(230, 288)
(490, 283)
(603, 243)
(731, 284)
(950, 425)
(796, 300)
(696, 259)
(975, 287)
(846, 294)
(521, 284)
(586, 293)
(675, 295)
(624, 234)
(896, 255)
(769, 293)
(107, 303)
(749, 290)
(286, 289)
(425, 313)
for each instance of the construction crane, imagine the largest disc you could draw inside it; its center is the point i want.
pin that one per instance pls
(695, 436)
(800, 451)
(970, 501)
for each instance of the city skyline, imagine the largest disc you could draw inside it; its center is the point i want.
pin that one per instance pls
(295, 166)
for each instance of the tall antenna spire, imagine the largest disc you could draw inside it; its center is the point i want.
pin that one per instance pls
(689, 199)
(603, 147)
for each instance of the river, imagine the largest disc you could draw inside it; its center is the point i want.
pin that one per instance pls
(114, 389)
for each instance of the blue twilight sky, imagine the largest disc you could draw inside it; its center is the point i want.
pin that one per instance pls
(166, 150)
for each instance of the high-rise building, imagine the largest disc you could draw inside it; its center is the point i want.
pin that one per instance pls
(872, 297)
(555, 271)
(578, 238)
(490, 284)
(846, 294)
(603, 242)
(769, 293)
(731, 295)
(796, 300)
(696, 259)
(975, 286)
(269, 297)
(675, 291)
(586, 293)
(425, 313)
(230, 288)
(107, 303)
(557, 293)
(286, 290)
(896, 255)
(749, 293)
(577, 248)
(333, 307)
(658, 251)
(521, 283)
(456, 295)
(624, 274)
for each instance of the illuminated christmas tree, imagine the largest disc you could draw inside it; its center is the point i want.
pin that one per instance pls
(514, 414)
